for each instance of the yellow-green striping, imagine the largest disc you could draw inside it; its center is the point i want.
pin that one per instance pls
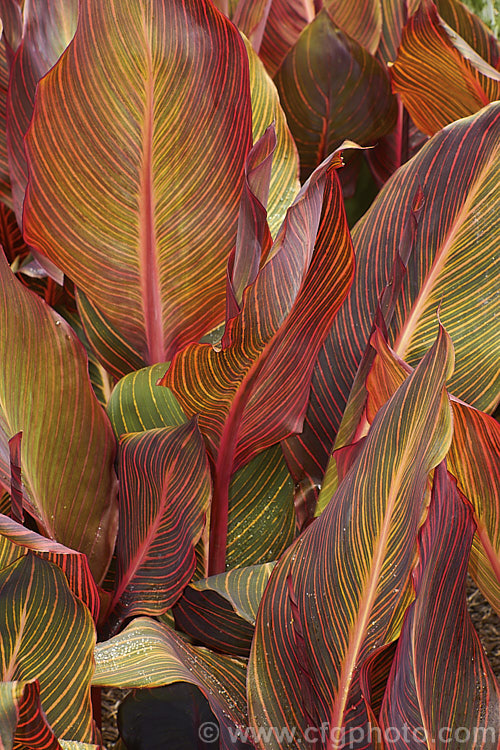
(261, 513)
(138, 404)
(242, 587)
(266, 108)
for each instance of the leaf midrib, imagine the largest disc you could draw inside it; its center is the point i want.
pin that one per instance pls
(148, 258)
(403, 340)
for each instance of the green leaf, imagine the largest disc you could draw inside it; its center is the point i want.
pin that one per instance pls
(72, 496)
(342, 589)
(133, 222)
(37, 607)
(148, 654)
(261, 522)
(137, 403)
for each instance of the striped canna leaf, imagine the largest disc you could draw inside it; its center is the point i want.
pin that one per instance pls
(438, 76)
(289, 306)
(72, 496)
(16, 541)
(220, 611)
(148, 654)
(472, 459)
(441, 687)
(165, 491)
(22, 720)
(322, 108)
(47, 29)
(451, 264)
(126, 100)
(342, 589)
(37, 607)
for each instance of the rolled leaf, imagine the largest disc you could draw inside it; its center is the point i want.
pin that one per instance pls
(253, 239)
(148, 654)
(331, 89)
(105, 98)
(439, 77)
(72, 496)
(165, 491)
(22, 719)
(441, 680)
(343, 588)
(285, 309)
(37, 607)
(451, 265)
(5, 189)
(251, 17)
(471, 28)
(16, 541)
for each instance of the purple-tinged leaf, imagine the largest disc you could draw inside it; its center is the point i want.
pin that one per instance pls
(165, 491)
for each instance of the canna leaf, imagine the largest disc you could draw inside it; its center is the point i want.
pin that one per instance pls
(267, 109)
(471, 28)
(164, 497)
(250, 16)
(472, 459)
(72, 496)
(16, 541)
(451, 264)
(144, 209)
(284, 308)
(331, 89)
(22, 719)
(5, 189)
(37, 607)
(360, 21)
(220, 611)
(441, 680)
(137, 403)
(342, 589)
(46, 32)
(439, 77)
(148, 654)
(285, 22)
(261, 519)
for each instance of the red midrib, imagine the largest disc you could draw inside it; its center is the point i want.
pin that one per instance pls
(148, 258)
